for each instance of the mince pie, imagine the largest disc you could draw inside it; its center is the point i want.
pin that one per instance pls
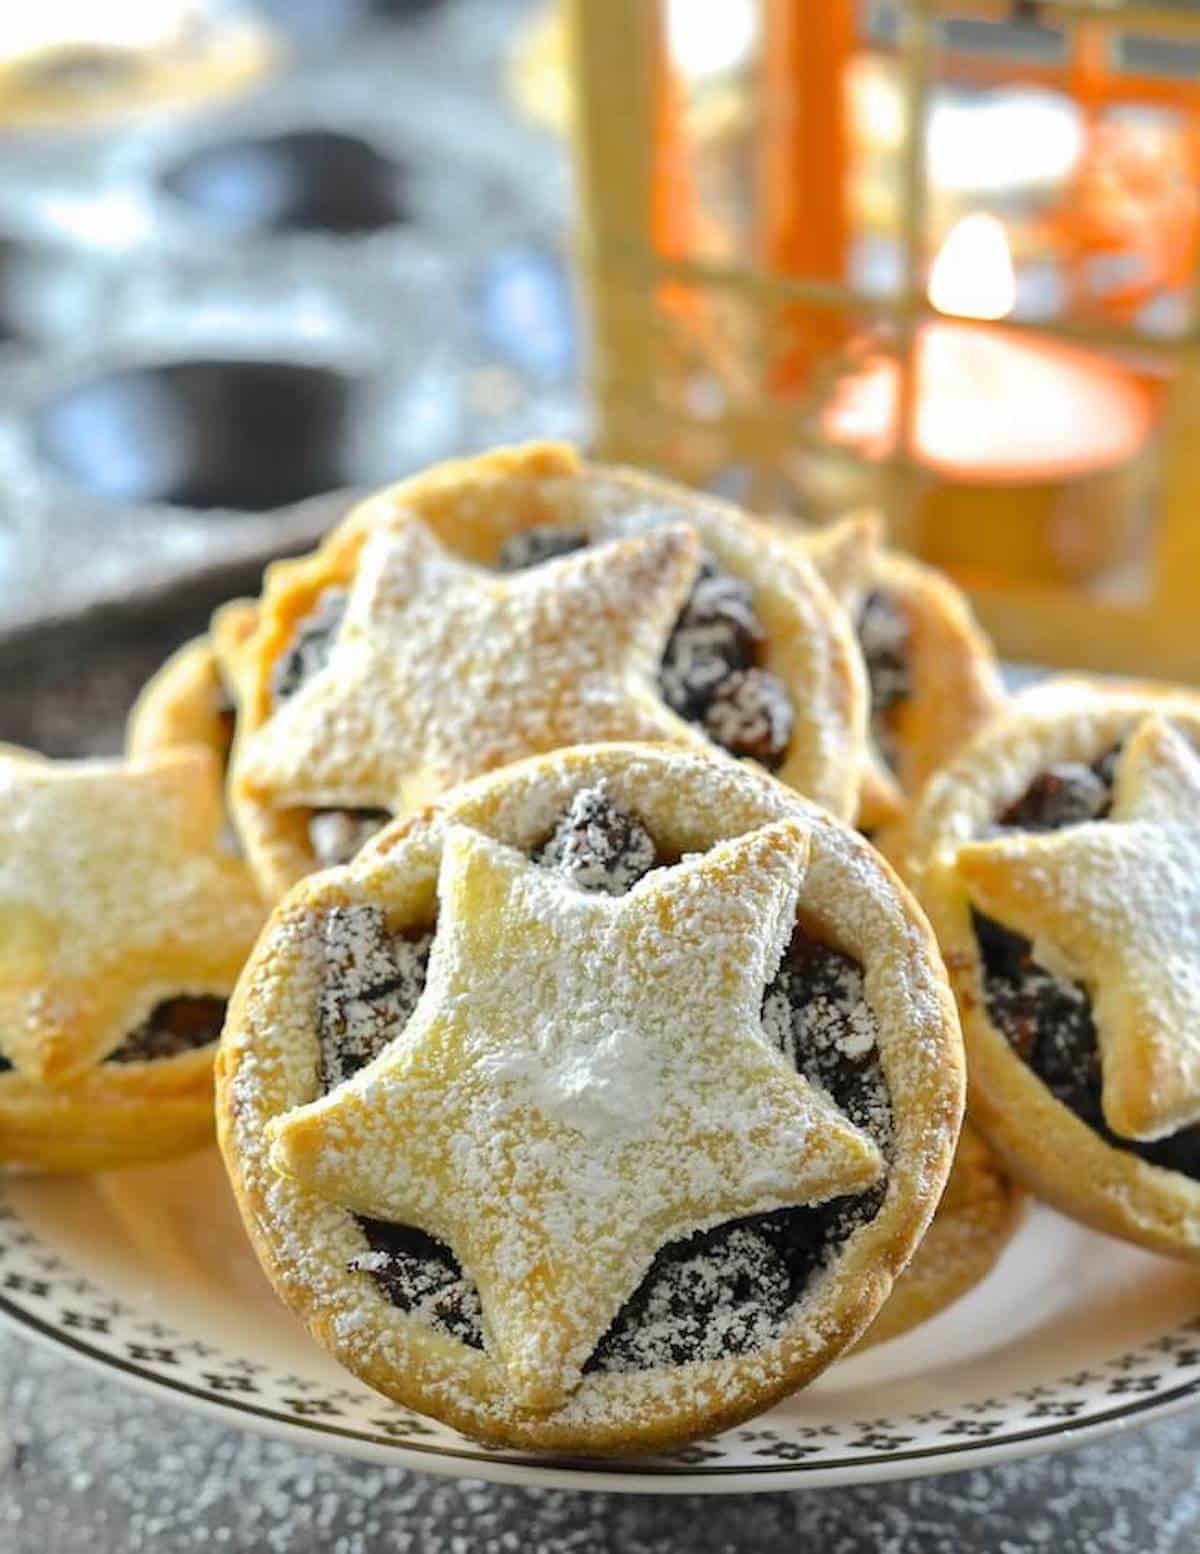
(1059, 858)
(596, 1106)
(123, 925)
(515, 603)
(931, 672)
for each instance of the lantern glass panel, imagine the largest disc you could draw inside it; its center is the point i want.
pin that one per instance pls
(708, 66)
(1080, 134)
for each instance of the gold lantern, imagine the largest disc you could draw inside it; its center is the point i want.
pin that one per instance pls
(936, 257)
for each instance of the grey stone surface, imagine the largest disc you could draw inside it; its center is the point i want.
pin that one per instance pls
(88, 1468)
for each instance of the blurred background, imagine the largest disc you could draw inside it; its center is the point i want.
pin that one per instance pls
(817, 255)
(251, 256)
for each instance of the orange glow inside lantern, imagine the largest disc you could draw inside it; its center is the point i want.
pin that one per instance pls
(992, 404)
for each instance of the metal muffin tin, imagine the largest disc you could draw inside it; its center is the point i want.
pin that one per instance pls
(211, 327)
(66, 686)
(205, 431)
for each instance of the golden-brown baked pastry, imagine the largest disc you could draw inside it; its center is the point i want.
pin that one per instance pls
(975, 1220)
(1059, 858)
(123, 925)
(189, 701)
(931, 672)
(514, 603)
(597, 1106)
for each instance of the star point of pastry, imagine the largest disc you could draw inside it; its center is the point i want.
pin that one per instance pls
(443, 669)
(115, 892)
(585, 1079)
(846, 554)
(1115, 904)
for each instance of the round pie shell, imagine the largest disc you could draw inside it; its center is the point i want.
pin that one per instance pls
(689, 801)
(473, 506)
(123, 1114)
(956, 683)
(117, 1114)
(1041, 1141)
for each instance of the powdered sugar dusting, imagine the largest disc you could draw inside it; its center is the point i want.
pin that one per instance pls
(441, 669)
(373, 980)
(116, 894)
(601, 1156)
(612, 1091)
(457, 691)
(686, 803)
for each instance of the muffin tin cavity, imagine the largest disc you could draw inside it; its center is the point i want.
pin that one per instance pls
(304, 180)
(206, 434)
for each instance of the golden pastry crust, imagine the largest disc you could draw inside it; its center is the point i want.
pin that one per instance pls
(114, 1115)
(471, 507)
(115, 895)
(189, 703)
(1043, 1143)
(956, 684)
(182, 704)
(979, 1211)
(691, 804)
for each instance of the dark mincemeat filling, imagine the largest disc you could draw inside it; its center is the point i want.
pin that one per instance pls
(711, 670)
(421, 1275)
(335, 835)
(719, 1292)
(710, 675)
(883, 636)
(177, 1025)
(338, 835)
(1047, 1019)
(373, 979)
(311, 644)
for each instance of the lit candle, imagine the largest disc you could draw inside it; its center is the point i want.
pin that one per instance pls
(1032, 447)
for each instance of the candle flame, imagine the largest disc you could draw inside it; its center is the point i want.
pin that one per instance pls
(707, 40)
(973, 276)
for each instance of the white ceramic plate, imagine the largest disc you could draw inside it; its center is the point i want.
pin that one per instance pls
(147, 1274)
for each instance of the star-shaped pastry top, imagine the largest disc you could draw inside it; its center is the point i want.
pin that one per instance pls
(585, 1078)
(1115, 904)
(442, 669)
(115, 893)
(846, 554)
